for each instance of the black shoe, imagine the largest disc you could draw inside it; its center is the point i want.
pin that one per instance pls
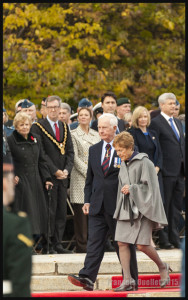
(84, 282)
(176, 245)
(166, 246)
(61, 250)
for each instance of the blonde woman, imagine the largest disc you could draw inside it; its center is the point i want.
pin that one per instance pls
(82, 137)
(31, 173)
(147, 141)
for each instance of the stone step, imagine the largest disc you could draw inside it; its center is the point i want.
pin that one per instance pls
(50, 271)
(159, 294)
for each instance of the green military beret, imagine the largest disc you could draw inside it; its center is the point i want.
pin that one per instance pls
(121, 101)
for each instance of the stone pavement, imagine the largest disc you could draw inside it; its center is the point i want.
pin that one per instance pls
(49, 273)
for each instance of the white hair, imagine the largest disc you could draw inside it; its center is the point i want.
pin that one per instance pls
(113, 120)
(163, 97)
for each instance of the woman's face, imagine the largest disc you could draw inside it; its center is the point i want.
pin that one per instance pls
(143, 119)
(84, 117)
(123, 153)
(23, 127)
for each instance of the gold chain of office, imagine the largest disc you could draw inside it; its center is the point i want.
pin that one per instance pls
(61, 146)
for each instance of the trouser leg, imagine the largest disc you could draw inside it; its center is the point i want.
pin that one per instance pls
(97, 231)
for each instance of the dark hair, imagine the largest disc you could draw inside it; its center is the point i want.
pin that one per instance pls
(108, 94)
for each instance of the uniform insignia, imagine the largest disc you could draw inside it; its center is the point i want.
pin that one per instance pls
(22, 214)
(25, 239)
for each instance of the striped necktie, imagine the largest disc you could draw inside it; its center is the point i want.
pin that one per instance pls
(105, 164)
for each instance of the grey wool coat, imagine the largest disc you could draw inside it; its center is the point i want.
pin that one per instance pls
(144, 193)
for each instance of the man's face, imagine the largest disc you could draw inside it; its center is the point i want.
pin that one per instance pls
(64, 115)
(123, 109)
(106, 131)
(168, 107)
(31, 111)
(43, 109)
(176, 111)
(53, 110)
(109, 105)
(8, 188)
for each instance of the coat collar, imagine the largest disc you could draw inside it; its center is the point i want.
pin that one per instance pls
(86, 137)
(20, 139)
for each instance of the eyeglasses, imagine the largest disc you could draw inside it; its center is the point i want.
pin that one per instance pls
(52, 107)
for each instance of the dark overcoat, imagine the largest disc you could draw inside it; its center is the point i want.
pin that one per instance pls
(31, 168)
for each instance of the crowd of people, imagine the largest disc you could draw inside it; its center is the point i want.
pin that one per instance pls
(124, 171)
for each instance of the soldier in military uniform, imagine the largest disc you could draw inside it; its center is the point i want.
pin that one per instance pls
(17, 242)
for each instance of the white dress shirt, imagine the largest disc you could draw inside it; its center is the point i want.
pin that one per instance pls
(104, 151)
(52, 123)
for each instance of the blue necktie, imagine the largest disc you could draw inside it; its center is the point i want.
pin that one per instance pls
(174, 129)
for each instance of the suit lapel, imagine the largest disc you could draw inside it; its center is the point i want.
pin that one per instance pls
(48, 127)
(168, 127)
(61, 130)
(97, 157)
(179, 128)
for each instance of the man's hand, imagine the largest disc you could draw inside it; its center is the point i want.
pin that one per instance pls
(125, 189)
(16, 180)
(157, 169)
(48, 185)
(85, 208)
(59, 174)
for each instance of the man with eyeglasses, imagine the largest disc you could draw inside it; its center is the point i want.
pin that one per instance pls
(58, 147)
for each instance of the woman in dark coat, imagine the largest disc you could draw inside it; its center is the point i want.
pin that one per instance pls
(30, 167)
(147, 141)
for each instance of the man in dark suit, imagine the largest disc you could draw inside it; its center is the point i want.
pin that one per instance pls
(100, 202)
(171, 138)
(109, 105)
(58, 147)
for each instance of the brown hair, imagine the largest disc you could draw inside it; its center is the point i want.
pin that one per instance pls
(86, 108)
(124, 140)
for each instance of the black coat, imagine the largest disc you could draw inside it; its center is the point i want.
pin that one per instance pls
(30, 166)
(173, 151)
(100, 189)
(153, 149)
(54, 157)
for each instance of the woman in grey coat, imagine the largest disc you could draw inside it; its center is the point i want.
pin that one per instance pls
(139, 208)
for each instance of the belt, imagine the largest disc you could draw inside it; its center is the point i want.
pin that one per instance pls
(7, 287)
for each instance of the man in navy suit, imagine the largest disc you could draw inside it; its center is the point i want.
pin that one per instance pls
(100, 202)
(171, 138)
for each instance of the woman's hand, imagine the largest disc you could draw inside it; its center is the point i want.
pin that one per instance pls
(16, 180)
(125, 189)
(157, 169)
(48, 185)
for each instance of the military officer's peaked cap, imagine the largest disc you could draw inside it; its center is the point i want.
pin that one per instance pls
(26, 103)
